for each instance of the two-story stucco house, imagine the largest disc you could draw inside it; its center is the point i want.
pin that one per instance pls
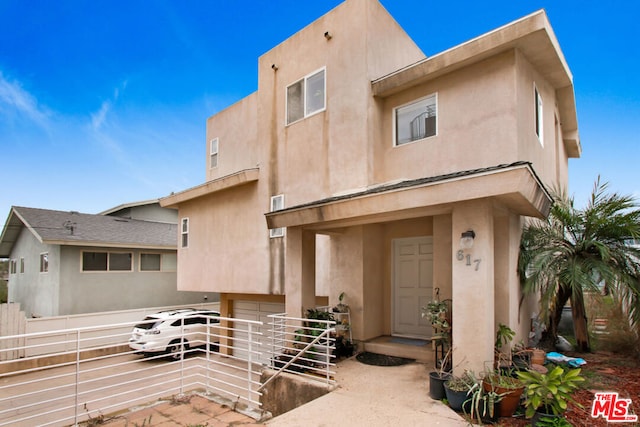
(359, 163)
(67, 262)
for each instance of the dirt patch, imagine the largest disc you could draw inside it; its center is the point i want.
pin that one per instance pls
(603, 372)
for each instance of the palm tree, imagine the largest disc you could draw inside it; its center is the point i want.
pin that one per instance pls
(581, 250)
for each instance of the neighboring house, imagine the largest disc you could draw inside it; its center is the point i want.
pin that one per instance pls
(358, 165)
(64, 263)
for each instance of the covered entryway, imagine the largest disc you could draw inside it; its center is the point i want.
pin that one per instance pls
(412, 285)
(377, 257)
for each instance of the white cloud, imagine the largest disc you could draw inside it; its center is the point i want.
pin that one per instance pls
(15, 101)
(98, 118)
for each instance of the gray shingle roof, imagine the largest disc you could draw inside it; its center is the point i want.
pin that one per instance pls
(74, 228)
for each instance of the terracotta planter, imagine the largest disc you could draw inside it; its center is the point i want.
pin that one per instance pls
(538, 356)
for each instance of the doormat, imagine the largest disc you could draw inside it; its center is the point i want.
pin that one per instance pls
(381, 359)
(408, 341)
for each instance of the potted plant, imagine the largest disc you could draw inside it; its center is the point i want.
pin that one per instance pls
(504, 336)
(483, 404)
(438, 377)
(509, 387)
(547, 395)
(438, 313)
(456, 389)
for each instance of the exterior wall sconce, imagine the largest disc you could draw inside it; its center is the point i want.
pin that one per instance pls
(466, 240)
(327, 35)
(274, 67)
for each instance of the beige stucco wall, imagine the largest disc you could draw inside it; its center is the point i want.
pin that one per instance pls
(485, 118)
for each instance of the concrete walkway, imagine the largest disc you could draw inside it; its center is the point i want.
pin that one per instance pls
(374, 396)
(366, 395)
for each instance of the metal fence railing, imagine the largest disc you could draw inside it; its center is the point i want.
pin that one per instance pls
(302, 346)
(76, 377)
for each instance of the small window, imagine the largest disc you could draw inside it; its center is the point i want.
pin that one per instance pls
(94, 261)
(306, 96)
(417, 120)
(44, 262)
(120, 261)
(12, 266)
(107, 261)
(169, 262)
(538, 117)
(21, 265)
(213, 153)
(150, 262)
(185, 232)
(277, 203)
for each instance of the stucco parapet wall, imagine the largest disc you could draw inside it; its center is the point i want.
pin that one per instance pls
(531, 35)
(233, 180)
(515, 186)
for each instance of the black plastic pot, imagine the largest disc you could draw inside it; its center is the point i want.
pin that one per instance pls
(436, 385)
(456, 399)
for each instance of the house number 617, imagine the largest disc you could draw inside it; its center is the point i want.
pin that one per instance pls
(467, 258)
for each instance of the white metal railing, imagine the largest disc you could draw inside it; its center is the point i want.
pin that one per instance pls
(302, 346)
(81, 378)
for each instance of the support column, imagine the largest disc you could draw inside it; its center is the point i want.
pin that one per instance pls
(473, 288)
(300, 271)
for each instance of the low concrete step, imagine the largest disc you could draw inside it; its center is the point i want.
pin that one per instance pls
(400, 347)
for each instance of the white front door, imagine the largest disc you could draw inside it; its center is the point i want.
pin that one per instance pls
(412, 285)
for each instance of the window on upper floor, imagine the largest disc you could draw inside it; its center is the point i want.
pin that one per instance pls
(12, 266)
(306, 96)
(277, 203)
(417, 120)
(213, 153)
(44, 262)
(184, 232)
(21, 265)
(538, 115)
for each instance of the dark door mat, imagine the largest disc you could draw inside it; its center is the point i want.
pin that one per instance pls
(381, 359)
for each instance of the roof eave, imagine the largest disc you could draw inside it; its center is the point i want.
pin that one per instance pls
(226, 182)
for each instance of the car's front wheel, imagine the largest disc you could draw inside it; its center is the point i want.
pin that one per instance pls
(177, 348)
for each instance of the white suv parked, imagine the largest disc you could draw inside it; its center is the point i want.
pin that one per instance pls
(173, 332)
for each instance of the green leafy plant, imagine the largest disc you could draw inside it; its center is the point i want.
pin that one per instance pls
(482, 403)
(341, 307)
(549, 392)
(504, 335)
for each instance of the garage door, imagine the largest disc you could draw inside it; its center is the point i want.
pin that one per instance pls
(258, 311)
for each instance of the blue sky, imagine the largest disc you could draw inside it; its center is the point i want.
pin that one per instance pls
(105, 102)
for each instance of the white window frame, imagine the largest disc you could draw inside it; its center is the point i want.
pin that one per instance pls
(141, 254)
(108, 266)
(276, 203)
(538, 116)
(305, 105)
(12, 266)
(213, 153)
(21, 265)
(184, 232)
(44, 262)
(426, 100)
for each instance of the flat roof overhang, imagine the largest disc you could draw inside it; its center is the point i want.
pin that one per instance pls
(531, 35)
(515, 186)
(229, 181)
